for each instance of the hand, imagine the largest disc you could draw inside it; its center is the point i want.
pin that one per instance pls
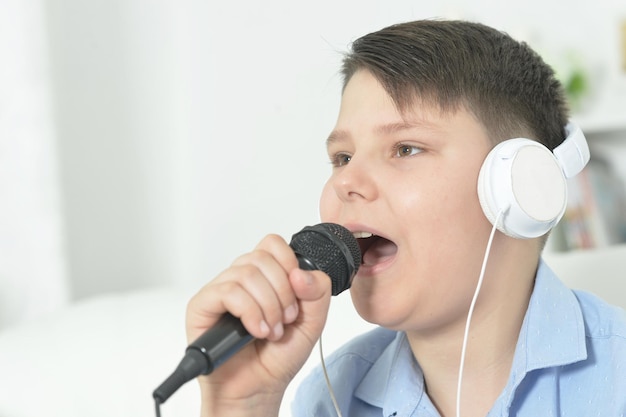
(282, 306)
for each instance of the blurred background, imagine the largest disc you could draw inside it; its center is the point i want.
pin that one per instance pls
(149, 143)
(144, 145)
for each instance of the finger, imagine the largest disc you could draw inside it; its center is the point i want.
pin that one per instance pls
(283, 253)
(275, 258)
(212, 301)
(256, 289)
(260, 283)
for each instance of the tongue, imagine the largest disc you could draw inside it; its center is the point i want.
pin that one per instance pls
(379, 251)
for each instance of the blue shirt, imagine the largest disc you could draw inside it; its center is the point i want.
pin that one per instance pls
(570, 360)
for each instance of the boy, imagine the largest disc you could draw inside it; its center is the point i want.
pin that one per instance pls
(423, 105)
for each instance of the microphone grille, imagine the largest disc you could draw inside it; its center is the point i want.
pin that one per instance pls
(331, 248)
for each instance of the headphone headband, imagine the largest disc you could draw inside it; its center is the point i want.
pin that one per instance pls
(573, 154)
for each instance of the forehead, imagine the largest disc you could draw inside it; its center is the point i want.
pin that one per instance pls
(365, 93)
(366, 105)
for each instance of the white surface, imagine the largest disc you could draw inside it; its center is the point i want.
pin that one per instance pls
(100, 357)
(105, 356)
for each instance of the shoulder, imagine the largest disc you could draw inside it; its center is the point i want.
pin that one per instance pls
(346, 368)
(603, 373)
(602, 320)
(597, 318)
(356, 357)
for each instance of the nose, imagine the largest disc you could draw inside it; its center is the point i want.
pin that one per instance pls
(355, 181)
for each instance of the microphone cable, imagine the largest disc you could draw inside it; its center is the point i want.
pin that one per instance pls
(328, 384)
(157, 406)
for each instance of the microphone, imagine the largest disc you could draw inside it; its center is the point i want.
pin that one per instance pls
(326, 247)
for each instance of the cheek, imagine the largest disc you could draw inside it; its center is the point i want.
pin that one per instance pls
(454, 203)
(466, 214)
(328, 204)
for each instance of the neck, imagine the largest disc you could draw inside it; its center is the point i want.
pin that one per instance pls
(493, 334)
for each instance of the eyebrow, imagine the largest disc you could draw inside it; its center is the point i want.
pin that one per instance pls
(389, 128)
(337, 136)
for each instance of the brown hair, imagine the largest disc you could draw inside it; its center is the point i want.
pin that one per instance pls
(503, 82)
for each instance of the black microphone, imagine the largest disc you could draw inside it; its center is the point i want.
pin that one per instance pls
(326, 247)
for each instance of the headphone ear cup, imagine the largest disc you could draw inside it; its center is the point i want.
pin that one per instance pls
(485, 193)
(524, 181)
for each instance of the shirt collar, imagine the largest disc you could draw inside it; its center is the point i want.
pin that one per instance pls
(395, 382)
(553, 331)
(552, 334)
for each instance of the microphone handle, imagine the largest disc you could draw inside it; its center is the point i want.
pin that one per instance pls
(219, 343)
(214, 347)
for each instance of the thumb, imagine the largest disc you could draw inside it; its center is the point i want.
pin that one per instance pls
(313, 290)
(310, 286)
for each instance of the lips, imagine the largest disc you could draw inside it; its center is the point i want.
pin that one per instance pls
(375, 249)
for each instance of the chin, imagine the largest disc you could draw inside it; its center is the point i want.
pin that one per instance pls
(373, 308)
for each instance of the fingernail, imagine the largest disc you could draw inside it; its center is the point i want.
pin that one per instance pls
(308, 277)
(278, 331)
(291, 313)
(265, 329)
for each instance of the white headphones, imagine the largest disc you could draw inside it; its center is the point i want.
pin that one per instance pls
(527, 183)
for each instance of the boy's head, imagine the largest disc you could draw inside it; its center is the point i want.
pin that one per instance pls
(423, 105)
(502, 82)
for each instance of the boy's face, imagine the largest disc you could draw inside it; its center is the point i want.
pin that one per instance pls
(410, 178)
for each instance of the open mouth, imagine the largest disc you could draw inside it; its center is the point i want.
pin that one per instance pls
(374, 249)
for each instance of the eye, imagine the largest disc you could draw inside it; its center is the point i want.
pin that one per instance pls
(340, 159)
(403, 150)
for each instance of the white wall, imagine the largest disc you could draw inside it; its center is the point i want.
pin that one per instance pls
(115, 128)
(32, 262)
(189, 129)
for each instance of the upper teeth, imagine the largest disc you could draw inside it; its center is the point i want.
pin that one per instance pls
(360, 235)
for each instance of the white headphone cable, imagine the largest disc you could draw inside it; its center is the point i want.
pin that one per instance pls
(471, 312)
